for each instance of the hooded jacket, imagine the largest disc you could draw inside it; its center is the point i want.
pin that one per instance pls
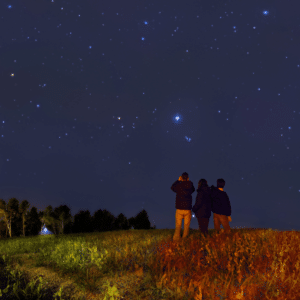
(208, 199)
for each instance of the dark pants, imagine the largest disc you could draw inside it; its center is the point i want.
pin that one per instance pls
(218, 221)
(203, 225)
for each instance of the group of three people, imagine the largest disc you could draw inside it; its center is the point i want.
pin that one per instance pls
(208, 199)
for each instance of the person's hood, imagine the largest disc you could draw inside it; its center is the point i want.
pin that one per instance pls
(203, 186)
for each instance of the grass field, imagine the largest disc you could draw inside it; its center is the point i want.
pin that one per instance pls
(147, 264)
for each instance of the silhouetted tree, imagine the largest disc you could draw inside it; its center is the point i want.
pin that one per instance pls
(82, 222)
(142, 221)
(24, 206)
(11, 218)
(3, 229)
(62, 217)
(16, 225)
(68, 228)
(5, 216)
(33, 223)
(132, 223)
(121, 223)
(10, 212)
(103, 220)
(16, 220)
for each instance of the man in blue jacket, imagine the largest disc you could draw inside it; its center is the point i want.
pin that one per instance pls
(207, 200)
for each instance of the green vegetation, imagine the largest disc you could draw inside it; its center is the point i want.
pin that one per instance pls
(147, 264)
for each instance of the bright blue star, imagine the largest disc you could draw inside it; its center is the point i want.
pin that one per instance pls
(265, 15)
(177, 119)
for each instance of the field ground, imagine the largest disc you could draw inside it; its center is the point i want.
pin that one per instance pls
(135, 280)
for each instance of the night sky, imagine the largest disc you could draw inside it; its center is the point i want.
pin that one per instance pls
(104, 104)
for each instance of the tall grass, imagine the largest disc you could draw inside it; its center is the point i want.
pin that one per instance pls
(147, 264)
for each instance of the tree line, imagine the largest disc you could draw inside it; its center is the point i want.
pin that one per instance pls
(17, 220)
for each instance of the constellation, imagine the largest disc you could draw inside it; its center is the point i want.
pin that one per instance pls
(181, 121)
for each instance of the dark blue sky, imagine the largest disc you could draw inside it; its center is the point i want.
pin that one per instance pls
(91, 92)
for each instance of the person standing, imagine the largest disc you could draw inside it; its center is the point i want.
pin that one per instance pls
(212, 199)
(183, 204)
(207, 200)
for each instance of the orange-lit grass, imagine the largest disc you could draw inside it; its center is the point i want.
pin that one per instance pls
(235, 265)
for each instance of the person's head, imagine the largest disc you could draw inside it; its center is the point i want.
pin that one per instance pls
(202, 182)
(220, 181)
(185, 176)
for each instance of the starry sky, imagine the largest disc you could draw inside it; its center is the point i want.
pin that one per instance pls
(105, 105)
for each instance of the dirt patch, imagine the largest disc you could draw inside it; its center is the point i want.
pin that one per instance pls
(126, 283)
(51, 279)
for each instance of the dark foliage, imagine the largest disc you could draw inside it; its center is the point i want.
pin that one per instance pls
(121, 223)
(33, 223)
(103, 220)
(83, 222)
(141, 221)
